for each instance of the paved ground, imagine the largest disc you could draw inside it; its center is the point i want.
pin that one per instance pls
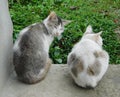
(58, 83)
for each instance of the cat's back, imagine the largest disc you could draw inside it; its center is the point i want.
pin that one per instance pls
(29, 55)
(32, 32)
(29, 46)
(85, 50)
(30, 37)
(86, 47)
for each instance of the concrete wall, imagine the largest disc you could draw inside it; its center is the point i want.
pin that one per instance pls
(5, 42)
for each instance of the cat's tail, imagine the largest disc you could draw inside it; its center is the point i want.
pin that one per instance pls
(32, 79)
(46, 69)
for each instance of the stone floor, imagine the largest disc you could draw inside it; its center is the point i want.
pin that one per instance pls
(58, 83)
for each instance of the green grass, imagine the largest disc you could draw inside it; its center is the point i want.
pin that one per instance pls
(101, 14)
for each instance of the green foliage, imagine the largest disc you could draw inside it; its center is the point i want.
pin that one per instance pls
(101, 14)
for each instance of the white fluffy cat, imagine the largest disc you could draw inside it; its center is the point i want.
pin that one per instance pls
(87, 61)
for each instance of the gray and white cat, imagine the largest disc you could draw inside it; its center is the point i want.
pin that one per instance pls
(31, 58)
(87, 61)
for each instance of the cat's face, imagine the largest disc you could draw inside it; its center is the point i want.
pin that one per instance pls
(89, 34)
(55, 24)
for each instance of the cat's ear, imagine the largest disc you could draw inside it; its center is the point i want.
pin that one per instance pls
(65, 22)
(99, 33)
(52, 16)
(89, 30)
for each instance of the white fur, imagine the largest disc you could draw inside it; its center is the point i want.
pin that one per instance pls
(90, 36)
(24, 31)
(56, 31)
(47, 42)
(84, 49)
(89, 29)
(42, 71)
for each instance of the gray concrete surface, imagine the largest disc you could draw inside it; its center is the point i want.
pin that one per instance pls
(58, 83)
(6, 43)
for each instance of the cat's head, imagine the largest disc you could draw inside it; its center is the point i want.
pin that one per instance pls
(55, 24)
(89, 34)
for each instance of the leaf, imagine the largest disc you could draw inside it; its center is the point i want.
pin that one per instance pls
(59, 60)
(59, 37)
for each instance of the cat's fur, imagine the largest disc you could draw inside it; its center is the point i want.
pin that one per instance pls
(87, 61)
(31, 58)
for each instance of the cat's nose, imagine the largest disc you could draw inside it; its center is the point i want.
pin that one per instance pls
(57, 34)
